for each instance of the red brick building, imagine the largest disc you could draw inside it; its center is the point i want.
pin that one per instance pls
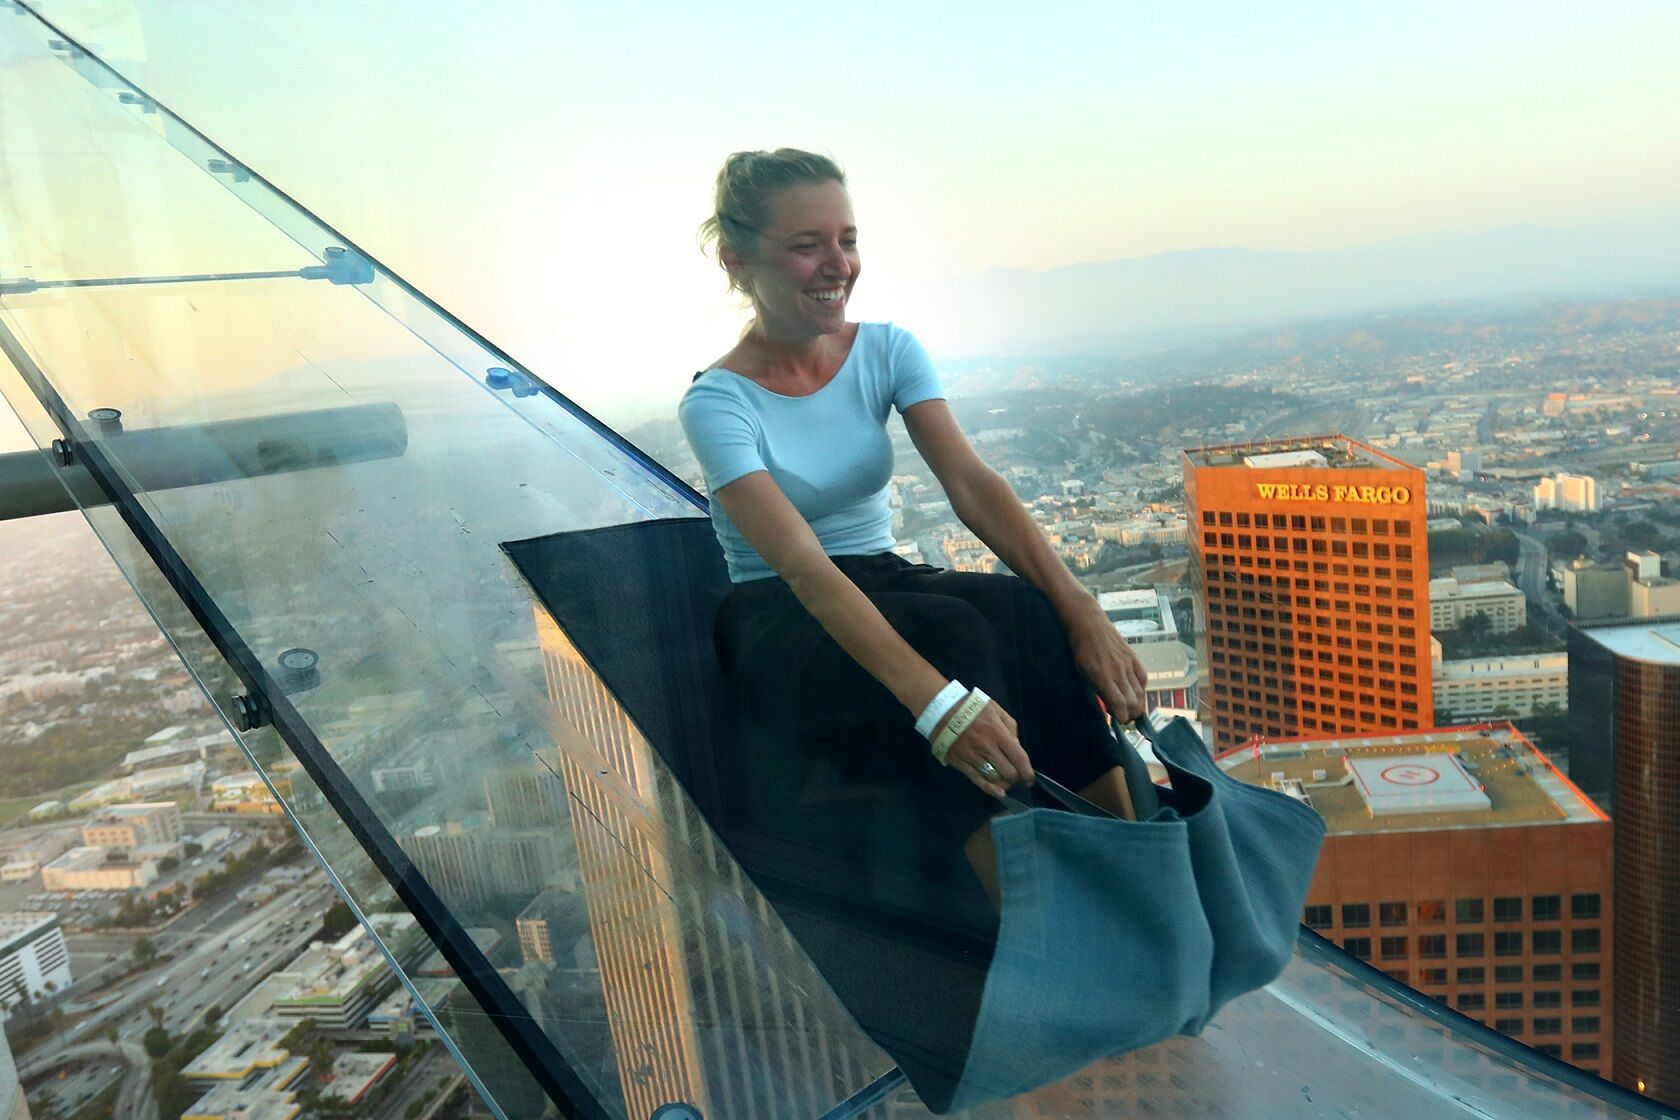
(1462, 862)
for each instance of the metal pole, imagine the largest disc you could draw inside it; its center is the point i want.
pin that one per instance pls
(197, 454)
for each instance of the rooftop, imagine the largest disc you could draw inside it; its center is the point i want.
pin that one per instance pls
(242, 1048)
(1309, 452)
(1486, 776)
(1656, 642)
(1448, 587)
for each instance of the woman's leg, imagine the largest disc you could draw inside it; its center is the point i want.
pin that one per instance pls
(833, 736)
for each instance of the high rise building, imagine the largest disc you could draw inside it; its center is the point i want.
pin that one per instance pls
(33, 958)
(691, 988)
(1311, 559)
(13, 1106)
(1577, 493)
(1462, 862)
(1624, 705)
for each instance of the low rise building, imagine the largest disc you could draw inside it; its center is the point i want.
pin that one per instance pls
(1171, 667)
(1451, 601)
(96, 869)
(244, 792)
(1142, 615)
(1475, 688)
(137, 825)
(1592, 590)
(336, 984)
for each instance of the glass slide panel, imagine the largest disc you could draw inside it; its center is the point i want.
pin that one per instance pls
(307, 485)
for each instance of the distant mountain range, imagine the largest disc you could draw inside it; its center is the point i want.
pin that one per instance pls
(1093, 306)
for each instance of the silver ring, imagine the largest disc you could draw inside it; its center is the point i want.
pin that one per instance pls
(987, 770)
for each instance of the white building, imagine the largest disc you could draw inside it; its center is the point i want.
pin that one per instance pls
(1478, 687)
(1143, 615)
(337, 984)
(13, 1105)
(33, 955)
(1577, 493)
(1450, 601)
(92, 869)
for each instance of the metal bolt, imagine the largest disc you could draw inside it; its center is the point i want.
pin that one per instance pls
(63, 451)
(109, 420)
(498, 377)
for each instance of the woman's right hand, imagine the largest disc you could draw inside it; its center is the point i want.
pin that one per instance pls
(990, 738)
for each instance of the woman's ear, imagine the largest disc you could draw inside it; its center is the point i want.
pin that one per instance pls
(737, 268)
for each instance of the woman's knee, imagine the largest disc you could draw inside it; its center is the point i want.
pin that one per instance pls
(953, 634)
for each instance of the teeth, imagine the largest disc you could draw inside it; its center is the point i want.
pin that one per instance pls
(827, 297)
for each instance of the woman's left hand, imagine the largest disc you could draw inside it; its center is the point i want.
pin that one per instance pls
(1110, 665)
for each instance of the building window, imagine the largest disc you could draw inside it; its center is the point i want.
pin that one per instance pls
(1432, 976)
(1392, 913)
(1469, 945)
(1431, 912)
(1583, 940)
(1584, 997)
(1359, 947)
(1581, 970)
(1468, 910)
(1511, 1027)
(1508, 974)
(1583, 1052)
(1548, 973)
(1508, 1001)
(1584, 1024)
(1547, 907)
(1394, 948)
(1508, 943)
(1548, 1025)
(1432, 946)
(1471, 1001)
(1583, 907)
(1548, 999)
(1550, 1049)
(1356, 915)
(1318, 917)
(1507, 909)
(1547, 943)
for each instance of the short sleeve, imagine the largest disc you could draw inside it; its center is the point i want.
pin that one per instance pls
(721, 432)
(913, 377)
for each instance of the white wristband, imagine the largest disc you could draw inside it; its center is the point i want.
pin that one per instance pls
(973, 704)
(949, 697)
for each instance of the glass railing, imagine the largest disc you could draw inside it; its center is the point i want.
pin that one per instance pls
(306, 471)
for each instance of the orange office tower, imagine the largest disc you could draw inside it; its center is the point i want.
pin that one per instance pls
(1311, 558)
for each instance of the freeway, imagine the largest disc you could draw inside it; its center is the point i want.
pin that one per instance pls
(134, 1099)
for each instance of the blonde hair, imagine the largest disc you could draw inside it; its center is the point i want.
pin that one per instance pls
(741, 200)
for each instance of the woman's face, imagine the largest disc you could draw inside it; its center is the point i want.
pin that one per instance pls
(806, 262)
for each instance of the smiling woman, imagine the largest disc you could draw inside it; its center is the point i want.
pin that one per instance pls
(848, 661)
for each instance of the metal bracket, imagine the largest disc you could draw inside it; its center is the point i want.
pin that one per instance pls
(249, 713)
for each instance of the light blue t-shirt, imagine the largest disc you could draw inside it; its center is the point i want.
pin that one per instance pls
(829, 451)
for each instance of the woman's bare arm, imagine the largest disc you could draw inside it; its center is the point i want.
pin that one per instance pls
(776, 530)
(984, 501)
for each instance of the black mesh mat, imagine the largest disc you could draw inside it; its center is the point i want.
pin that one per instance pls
(638, 602)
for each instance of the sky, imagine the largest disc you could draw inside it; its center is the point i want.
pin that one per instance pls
(540, 168)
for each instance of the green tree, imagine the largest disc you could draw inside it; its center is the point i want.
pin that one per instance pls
(212, 1015)
(157, 1042)
(1475, 626)
(1567, 545)
(144, 951)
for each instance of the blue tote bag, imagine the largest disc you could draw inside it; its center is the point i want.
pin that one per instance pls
(1117, 934)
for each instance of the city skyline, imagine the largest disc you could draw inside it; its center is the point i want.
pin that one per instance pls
(551, 199)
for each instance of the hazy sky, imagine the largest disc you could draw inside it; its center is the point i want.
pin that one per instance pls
(540, 168)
